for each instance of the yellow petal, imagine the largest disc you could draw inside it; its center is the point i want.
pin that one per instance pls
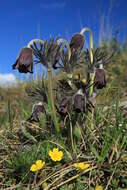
(40, 164)
(43, 163)
(33, 168)
(82, 165)
(75, 165)
(99, 187)
(60, 153)
(54, 158)
(55, 150)
(85, 166)
(50, 153)
(58, 158)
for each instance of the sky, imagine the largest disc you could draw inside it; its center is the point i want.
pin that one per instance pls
(23, 20)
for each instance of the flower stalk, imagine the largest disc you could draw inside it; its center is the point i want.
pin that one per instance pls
(50, 84)
(91, 58)
(71, 134)
(52, 98)
(92, 75)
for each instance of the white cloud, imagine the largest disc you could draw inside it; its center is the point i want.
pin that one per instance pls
(7, 79)
(58, 4)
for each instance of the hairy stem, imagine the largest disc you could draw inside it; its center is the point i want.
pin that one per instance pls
(92, 75)
(91, 57)
(71, 134)
(52, 99)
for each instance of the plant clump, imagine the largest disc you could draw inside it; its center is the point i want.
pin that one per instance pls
(64, 140)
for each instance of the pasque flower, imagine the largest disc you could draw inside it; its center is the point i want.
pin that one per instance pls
(37, 166)
(79, 102)
(82, 165)
(100, 78)
(77, 42)
(24, 62)
(36, 111)
(63, 107)
(55, 154)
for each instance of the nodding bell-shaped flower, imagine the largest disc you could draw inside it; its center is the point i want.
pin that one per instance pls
(24, 62)
(77, 42)
(79, 102)
(100, 77)
(63, 107)
(36, 111)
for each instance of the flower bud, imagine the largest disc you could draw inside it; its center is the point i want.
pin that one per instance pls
(84, 81)
(77, 42)
(76, 77)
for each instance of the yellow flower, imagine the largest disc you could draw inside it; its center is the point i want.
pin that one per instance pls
(82, 165)
(84, 81)
(98, 187)
(56, 155)
(33, 168)
(40, 164)
(37, 166)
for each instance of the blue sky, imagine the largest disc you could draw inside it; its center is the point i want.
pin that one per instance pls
(23, 20)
